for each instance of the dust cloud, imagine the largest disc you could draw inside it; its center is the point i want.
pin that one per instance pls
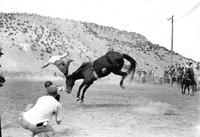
(147, 106)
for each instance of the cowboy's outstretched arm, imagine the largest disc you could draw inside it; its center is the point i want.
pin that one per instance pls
(64, 55)
(47, 64)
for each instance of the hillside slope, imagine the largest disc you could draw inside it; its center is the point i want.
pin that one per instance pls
(28, 40)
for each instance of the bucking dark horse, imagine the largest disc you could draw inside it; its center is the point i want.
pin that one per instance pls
(111, 62)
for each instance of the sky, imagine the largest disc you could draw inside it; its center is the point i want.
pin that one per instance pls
(147, 17)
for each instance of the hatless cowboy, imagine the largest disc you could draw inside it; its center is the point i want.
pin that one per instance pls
(59, 61)
(36, 118)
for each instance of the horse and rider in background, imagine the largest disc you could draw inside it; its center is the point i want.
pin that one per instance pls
(189, 81)
(184, 76)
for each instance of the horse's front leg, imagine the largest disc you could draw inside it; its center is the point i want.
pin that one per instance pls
(79, 90)
(182, 88)
(185, 86)
(84, 90)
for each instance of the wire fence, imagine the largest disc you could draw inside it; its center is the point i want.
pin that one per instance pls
(150, 77)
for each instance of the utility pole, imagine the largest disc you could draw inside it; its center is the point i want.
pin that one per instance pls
(0, 128)
(172, 42)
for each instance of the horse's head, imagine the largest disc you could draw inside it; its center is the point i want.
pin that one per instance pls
(69, 78)
(70, 81)
(2, 81)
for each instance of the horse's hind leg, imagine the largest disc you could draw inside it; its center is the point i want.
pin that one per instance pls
(193, 90)
(84, 90)
(123, 74)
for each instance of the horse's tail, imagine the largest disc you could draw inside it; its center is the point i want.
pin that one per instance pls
(132, 66)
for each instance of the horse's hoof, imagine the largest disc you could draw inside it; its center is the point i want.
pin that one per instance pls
(122, 87)
(81, 101)
(77, 99)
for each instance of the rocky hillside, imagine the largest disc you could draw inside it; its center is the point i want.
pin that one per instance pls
(28, 40)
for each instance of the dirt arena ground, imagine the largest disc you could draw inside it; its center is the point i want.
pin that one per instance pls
(141, 110)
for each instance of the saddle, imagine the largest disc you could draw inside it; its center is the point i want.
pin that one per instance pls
(93, 71)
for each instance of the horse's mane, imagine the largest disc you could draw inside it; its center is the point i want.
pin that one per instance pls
(80, 69)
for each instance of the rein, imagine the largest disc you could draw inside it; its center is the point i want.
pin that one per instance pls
(94, 72)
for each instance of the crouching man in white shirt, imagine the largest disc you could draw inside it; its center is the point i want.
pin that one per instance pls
(36, 119)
